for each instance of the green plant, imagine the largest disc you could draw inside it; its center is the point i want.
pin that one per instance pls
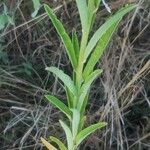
(83, 57)
(36, 5)
(5, 18)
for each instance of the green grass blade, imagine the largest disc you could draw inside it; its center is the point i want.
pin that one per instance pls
(68, 135)
(83, 12)
(60, 105)
(106, 26)
(99, 49)
(85, 88)
(75, 122)
(58, 142)
(63, 35)
(87, 131)
(64, 78)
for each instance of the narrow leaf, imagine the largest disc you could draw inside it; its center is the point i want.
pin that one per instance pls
(37, 5)
(99, 50)
(47, 144)
(97, 3)
(64, 78)
(60, 105)
(85, 88)
(75, 122)
(63, 35)
(58, 142)
(83, 11)
(4, 20)
(92, 10)
(103, 29)
(75, 44)
(82, 121)
(87, 131)
(93, 7)
(70, 98)
(68, 135)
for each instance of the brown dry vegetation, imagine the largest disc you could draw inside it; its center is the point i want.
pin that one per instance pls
(121, 96)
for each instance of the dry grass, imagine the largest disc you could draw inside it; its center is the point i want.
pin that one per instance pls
(120, 97)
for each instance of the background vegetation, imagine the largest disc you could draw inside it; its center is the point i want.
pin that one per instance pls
(29, 43)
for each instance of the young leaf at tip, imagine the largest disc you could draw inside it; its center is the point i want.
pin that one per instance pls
(99, 50)
(83, 12)
(63, 35)
(103, 29)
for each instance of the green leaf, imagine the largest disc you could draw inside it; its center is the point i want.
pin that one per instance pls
(75, 122)
(37, 5)
(82, 121)
(70, 98)
(60, 105)
(63, 35)
(64, 78)
(85, 88)
(99, 50)
(83, 12)
(97, 3)
(68, 135)
(103, 29)
(3, 21)
(93, 7)
(58, 142)
(75, 44)
(92, 11)
(87, 131)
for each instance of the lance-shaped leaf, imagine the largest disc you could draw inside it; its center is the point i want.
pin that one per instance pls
(60, 105)
(63, 35)
(85, 88)
(64, 78)
(106, 26)
(75, 121)
(37, 5)
(47, 144)
(97, 3)
(92, 7)
(68, 135)
(58, 142)
(83, 12)
(99, 50)
(70, 98)
(87, 131)
(75, 43)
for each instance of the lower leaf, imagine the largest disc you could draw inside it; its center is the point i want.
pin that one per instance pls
(47, 144)
(58, 142)
(87, 131)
